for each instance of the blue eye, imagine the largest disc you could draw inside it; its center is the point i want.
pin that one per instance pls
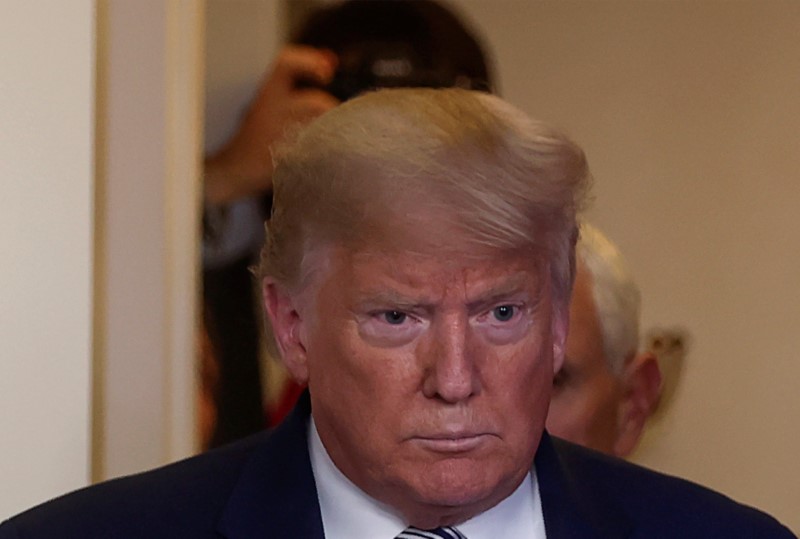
(394, 318)
(503, 313)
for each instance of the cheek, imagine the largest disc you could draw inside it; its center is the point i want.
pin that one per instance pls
(525, 386)
(351, 386)
(537, 385)
(354, 375)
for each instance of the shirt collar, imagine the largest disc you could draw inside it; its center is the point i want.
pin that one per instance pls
(347, 511)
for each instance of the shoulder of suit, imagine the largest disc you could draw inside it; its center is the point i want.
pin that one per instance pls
(669, 504)
(187, 495)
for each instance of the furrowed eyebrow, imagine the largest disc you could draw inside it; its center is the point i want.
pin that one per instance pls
(384, 299)
(513, 289)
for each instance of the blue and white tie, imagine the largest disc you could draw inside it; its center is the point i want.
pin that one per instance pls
(439, 533)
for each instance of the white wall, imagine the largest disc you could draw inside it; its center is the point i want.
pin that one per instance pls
(690, 116)
(100, 153)
(242, 38)
(149, 149)
(46, 237)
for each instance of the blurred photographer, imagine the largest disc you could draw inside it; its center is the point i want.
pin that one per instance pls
(340, 52)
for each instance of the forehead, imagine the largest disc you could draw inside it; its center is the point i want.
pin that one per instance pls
(420, 275)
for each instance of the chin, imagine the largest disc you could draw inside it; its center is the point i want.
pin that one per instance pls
(461, 483)
(450, 505)
(452, 491)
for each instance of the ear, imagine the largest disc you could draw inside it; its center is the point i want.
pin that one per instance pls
(287, 328)
(641, 386)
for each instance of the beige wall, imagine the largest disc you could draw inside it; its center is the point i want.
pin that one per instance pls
(100, 153)
(690, 115)
(148, 178)
(46, 223)
(242, 38)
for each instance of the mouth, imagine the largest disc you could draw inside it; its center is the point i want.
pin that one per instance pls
(452, 443)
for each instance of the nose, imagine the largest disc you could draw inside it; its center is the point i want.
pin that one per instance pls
(451, 374)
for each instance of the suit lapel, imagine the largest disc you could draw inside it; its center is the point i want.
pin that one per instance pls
(571, 510)
(276, 495)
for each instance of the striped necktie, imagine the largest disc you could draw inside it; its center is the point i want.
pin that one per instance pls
(439, 533)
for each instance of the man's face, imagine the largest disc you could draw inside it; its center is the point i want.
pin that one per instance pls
(430, 376)
(586, 397)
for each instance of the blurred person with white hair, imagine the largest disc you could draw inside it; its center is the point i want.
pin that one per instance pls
(606, 388)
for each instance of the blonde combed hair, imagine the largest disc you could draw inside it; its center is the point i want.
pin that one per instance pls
(430, 170)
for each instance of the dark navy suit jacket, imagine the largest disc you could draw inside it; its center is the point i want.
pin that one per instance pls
(263, 487)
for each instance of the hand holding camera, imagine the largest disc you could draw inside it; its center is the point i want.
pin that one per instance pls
(243, 167)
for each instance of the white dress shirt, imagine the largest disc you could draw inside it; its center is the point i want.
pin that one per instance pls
(348, 512)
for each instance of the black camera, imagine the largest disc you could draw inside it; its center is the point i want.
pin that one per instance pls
(392, 43)
(382, 64)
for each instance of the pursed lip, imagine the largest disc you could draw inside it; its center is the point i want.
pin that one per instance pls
(452, 442)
